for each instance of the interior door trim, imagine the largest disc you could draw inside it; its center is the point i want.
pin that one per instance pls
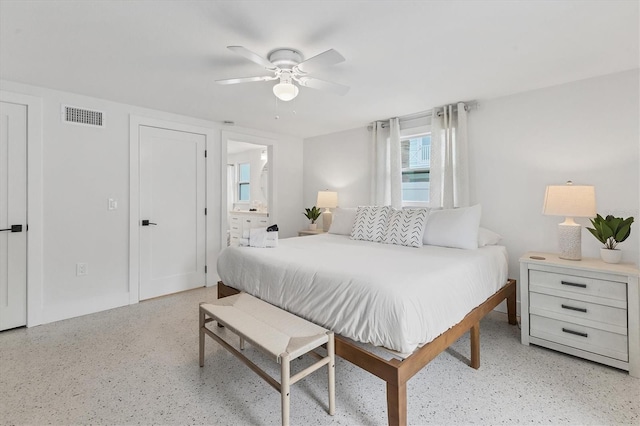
(212, 163)
(34, 202)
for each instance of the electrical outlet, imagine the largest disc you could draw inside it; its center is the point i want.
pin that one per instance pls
(82, 269)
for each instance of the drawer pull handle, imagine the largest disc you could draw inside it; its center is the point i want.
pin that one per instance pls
(573, 308)
(577, 333)
(573, 284)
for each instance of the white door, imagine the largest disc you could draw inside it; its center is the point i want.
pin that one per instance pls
(13, 215)
(172, 211)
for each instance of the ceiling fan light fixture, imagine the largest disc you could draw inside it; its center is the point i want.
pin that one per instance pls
(290, 67)
(285, 91)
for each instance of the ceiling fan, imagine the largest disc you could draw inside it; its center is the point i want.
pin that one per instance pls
(289, 66)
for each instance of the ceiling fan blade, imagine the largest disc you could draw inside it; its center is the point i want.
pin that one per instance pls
(245, 79)
(316, 83)
(252, 56)
(322, 60)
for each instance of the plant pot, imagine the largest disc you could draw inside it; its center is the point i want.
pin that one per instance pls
(611, 255)
(313, 227)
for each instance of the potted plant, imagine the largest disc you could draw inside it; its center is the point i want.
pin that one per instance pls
(312, 214)
(611, 231)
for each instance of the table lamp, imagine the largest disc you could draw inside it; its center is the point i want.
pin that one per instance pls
(570, 201)
(327, 200)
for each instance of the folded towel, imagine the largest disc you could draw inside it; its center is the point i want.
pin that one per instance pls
(246, 234)
(259, 237)
(272, 236)
(243, 242)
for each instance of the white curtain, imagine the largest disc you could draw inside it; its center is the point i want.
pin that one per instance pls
(387, 164)
(449, 175)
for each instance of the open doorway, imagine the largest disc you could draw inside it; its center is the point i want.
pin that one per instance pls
(248, 186)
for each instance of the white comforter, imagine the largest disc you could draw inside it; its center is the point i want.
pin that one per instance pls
(387, 295)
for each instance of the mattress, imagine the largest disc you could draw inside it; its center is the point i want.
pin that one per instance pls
(386, 295)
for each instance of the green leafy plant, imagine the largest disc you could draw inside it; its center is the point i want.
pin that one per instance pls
(611, 230)
(312, 214)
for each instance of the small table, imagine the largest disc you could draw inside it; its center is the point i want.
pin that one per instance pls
(304, 232)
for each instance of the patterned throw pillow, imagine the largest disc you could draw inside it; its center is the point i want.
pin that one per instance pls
(405, 227)
(370, 223)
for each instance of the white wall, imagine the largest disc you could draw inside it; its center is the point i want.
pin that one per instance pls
(82, 168)
(585, 131)
(338, 162)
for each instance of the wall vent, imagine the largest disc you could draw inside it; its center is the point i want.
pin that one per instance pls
(82, 116)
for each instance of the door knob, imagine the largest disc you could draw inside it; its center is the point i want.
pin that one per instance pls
(145, 222)
(14, 228)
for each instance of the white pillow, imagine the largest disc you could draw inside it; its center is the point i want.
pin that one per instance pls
(486, 237)
(342, 220)
(370, 223)
(456, 228)
(406, 227)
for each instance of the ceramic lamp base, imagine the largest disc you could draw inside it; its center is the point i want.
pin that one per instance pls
(570, 238)
(326, 220)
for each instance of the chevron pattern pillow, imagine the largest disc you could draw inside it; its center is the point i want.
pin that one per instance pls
(370, 223)
(405, 227)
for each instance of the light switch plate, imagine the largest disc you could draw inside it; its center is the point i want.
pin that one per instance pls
(113, 204)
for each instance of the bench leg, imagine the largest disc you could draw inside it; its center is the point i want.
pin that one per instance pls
(285, 375)
(201, 333)
(332, 373)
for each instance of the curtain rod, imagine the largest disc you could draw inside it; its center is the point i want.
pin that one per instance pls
(468, 106)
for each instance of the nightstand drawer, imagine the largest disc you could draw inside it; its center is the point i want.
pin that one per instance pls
(584, 313)
(589, 339)
(577, 287)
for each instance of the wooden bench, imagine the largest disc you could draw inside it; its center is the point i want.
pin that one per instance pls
(277, 333)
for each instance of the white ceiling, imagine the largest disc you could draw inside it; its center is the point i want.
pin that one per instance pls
(402, 57)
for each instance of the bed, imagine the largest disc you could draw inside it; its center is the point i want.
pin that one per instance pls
(413, 302)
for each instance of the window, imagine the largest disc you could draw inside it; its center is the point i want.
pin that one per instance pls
(416, 160)
(244, 179)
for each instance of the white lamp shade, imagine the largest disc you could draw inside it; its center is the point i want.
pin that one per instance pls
(570, 201)
(327, 199)
(285, 91)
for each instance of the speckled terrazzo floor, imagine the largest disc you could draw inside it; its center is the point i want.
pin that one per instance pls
(139, 365)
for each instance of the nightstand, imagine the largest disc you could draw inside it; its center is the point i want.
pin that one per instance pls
(585, 308)
(304, 232)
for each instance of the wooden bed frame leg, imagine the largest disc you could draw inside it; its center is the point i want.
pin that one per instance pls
(475, 345)
(397, 404)
(511, 306)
